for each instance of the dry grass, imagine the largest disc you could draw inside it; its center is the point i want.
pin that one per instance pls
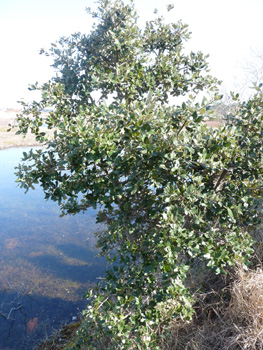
(228, 318)
(246, 308)
(10, 139)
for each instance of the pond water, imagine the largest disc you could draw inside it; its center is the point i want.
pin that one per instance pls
(47, 262)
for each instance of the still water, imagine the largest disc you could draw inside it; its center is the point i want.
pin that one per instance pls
(46, 262)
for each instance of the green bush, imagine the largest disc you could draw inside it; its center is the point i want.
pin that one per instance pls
(170, 189)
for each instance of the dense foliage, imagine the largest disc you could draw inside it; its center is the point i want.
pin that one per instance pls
(169, 189)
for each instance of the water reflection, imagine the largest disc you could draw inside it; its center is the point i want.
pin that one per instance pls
(46, 262)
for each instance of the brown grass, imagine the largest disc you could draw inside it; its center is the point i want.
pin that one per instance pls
(246, 308)
(10, 139)
(213, 123)
(228, 318)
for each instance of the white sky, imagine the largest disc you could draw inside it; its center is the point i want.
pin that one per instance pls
(226, 29)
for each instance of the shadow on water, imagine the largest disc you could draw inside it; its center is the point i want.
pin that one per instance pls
(24, 321)
(74, 251)
(78, 270)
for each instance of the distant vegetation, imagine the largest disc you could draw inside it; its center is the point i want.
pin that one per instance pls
(180, 200)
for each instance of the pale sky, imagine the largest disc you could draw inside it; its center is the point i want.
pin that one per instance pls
(227, 30)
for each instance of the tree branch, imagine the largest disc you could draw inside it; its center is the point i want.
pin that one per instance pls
(222, 176)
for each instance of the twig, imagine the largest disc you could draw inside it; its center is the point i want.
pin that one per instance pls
(13, 309)
(224, 172)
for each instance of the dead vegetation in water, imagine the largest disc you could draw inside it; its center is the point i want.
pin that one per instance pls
(60, 338)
